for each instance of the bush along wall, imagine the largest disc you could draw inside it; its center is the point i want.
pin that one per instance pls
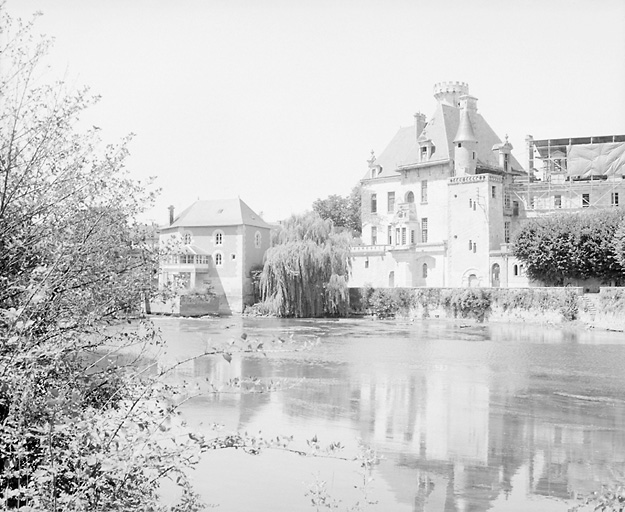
(538, 304)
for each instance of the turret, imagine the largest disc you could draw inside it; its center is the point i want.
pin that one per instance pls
(465, 141)
(450, 93)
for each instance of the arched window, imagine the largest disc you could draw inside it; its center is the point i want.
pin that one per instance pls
(187, 238)
(410, 197)
(218, 237)
(473, 281)
(218, 258)
(424, 270)
(258, 238)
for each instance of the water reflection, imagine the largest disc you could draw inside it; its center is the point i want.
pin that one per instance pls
(469, 417)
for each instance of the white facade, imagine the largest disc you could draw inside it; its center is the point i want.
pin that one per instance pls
(442, 201)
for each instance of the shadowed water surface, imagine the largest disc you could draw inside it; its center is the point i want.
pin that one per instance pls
(467, 418)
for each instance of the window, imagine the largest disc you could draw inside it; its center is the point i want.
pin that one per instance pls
(218, 258)
(506, 200)
(410, 197)
(515, 270)
(390, 235)
(515, 208)
(470, 203)
(614, 199)
(412, 236)
(424, 153)
(474, 247)
(258, 238)
(187, 238)
(403, 236)
(585, 200)
(470, 244)
(506, 162)
(367, 263)
(532, 202)
(495, 274)
(424, 270)
(424, 230)
(493, 191)
(397, 236)
(374, 203)
(424, 191)
(391, 202)
(218, 238)
(202, 259)
(459, 144)
(233, 256)
(506, 232)
(474, 155)
(557, 201)
(374, 235)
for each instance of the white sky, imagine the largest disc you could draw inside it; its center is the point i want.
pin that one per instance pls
(281, 101)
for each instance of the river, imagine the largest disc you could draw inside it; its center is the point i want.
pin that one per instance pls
(496, 417)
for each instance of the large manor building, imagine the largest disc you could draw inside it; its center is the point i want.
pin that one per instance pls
(442, 201)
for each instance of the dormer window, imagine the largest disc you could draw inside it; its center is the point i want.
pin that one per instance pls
(426, 149)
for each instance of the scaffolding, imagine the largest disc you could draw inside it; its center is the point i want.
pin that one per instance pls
(575, 173)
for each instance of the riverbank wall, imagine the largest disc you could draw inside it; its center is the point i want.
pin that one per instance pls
(603, 310)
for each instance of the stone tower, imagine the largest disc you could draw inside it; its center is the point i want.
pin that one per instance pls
(450, 93)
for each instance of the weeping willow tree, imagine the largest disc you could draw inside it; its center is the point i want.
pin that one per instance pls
(306, 271)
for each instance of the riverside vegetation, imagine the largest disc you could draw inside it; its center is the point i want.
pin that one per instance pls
(473, 303)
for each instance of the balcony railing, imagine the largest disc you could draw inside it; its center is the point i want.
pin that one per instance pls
(186, 259)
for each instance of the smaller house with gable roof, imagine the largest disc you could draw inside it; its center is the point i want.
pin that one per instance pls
(213, 245)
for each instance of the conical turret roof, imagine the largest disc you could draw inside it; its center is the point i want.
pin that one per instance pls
(465, 128)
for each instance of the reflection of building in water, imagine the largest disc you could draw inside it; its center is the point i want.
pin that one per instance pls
(442, 416)
(469, 440)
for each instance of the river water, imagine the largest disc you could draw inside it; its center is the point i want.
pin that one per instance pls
(465, 417)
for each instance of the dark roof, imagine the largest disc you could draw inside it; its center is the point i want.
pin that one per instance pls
(441, 129)
(218, 212)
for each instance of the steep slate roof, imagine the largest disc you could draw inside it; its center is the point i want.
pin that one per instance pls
(441, 129)
(218, 212)
(396, 151)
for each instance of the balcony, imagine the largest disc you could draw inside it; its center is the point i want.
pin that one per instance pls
(186, 262)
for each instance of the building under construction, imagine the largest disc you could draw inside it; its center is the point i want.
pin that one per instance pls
(571, 174)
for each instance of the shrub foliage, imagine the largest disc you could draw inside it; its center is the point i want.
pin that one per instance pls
(573, 247)
(76, 431)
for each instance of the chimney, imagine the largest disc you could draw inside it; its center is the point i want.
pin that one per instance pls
(419, 120)
(171, 214)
